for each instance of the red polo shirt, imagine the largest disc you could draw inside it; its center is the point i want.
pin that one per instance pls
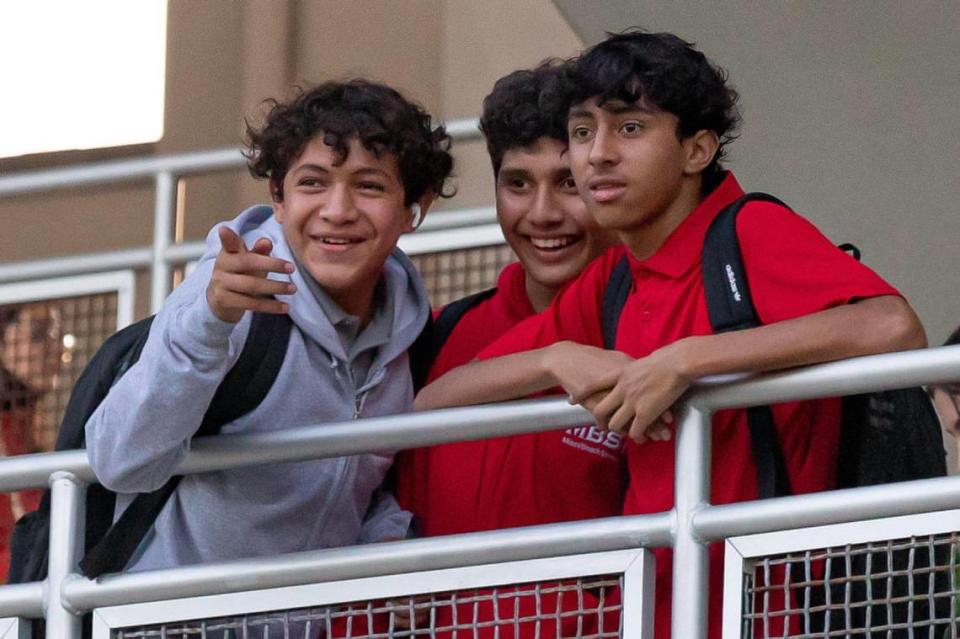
(524, 480)
(793, 270)
(511, 481)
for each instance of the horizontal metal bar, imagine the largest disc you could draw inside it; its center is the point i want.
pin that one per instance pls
(33, 471)
(22, 600)
(382, 433)
(497, 420)
(442, 231)
(832, 507)
(451, 239)
(75, 265)
(121, 170)
(179, 165)
(472, 549)
(324, 440)
(464, 129)
(457, 218)
(845, 377)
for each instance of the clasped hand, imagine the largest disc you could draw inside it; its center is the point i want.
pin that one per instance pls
(632, 397)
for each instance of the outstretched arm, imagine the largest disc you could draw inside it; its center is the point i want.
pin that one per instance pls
(580, 370)
(142, 430)
(649, 386)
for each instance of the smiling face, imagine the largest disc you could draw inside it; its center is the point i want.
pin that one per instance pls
(635, 175)
(543, 218)
(342, 220)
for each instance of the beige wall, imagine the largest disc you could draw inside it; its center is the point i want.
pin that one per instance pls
(225, 57)
(850, 109)
(850, 114)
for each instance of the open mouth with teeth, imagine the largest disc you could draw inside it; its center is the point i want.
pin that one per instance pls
(337, 241)
(554, 243)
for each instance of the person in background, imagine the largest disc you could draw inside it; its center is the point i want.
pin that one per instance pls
(30, 350)
(946, 399)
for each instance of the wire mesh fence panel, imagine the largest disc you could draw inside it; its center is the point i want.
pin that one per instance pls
(44, 346)
(896, 589)
(450, 275)
(588, 608)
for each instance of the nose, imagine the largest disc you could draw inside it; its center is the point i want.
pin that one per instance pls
(339, 206)
(603, 149)
(544, 210)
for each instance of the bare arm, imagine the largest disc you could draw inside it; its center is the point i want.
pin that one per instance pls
(649, 386)
(580, 370)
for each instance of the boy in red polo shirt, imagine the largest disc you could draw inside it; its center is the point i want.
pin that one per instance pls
(528, 479)
(648, 119)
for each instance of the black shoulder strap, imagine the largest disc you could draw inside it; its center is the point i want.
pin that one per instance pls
(614, 297)
(252, 376)
(731, 308)
(428, 344)
(242, 390)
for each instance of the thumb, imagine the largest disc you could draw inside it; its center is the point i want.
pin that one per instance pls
(262, 246)
(230, 241)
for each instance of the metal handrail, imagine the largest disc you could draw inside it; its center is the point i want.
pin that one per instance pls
(165, 171)
(688, 527)
(414, 430)
(180, 164)
(443, 230)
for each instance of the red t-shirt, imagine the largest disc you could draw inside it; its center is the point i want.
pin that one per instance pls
(793, 270)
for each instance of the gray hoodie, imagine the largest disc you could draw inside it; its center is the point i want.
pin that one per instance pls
(142, 430)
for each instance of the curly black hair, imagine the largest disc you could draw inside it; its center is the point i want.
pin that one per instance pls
(661, 69)
(373, 113)
(516, 113)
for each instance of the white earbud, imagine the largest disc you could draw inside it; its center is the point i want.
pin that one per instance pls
(417, 214)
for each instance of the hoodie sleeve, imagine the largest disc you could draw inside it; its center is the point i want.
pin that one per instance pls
(142, 430)
(385, 520)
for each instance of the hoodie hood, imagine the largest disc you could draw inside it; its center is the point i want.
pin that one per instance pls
(402, 285)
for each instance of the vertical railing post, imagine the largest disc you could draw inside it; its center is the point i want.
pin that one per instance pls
(67, 519)
(690, 558)
(165, 203)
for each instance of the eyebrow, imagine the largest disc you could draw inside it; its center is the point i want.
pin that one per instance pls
(579, 112)
(372, 171)
(310, 167)
(514, 172)
(619, 107)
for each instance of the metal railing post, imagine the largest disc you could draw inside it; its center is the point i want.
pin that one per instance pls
(66, 543)
(690, 558)
(165, 202)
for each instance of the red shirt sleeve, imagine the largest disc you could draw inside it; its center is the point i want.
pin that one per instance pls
(573, 315)
(794, 270)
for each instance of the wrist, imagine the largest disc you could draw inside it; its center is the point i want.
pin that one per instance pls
(685, 357)
(550, 357)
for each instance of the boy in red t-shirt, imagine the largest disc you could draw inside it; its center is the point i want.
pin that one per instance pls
(538, 478)
(647, 122)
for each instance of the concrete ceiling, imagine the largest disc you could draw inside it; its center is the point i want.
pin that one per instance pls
(591, 20)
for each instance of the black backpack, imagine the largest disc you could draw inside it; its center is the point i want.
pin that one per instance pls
(109, 546)
(886, 436)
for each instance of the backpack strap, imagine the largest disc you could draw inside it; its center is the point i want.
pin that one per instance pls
(614, 297)
(242, 390)
(731, 308)
(434, 335)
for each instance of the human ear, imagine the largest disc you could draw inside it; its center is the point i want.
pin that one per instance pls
(276, 200)
(700, 149)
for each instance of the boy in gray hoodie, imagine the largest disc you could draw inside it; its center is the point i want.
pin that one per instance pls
(351, 166)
